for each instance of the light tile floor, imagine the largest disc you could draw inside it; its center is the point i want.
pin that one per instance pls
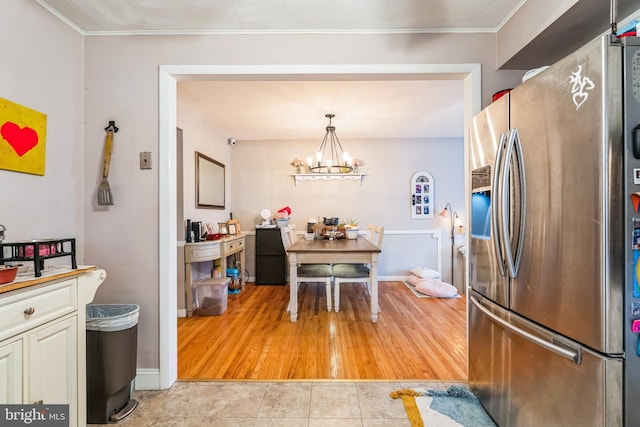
(281, 404)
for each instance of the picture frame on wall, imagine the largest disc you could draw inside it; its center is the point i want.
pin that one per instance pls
(421, 195)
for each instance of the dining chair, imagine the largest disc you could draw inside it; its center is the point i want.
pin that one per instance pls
(307, 272)
(356, 273)
(371, 229)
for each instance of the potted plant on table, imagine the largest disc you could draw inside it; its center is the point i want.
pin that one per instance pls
(351, 228)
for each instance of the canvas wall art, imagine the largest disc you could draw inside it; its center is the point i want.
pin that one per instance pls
(22, 138)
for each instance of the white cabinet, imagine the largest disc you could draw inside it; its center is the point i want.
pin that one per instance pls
(50, 371)
(42, 342)
(11, 372)
(40, 366)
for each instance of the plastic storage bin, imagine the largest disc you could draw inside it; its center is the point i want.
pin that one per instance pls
(112, 344)
(211, 296)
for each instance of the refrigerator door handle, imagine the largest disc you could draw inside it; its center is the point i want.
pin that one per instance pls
(571, 354)
(522, 201)
(513, 145)
(496, 219)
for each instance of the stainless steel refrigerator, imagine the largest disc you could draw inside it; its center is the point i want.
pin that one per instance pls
(554, 244)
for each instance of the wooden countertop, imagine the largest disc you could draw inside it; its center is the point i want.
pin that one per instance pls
(48, 274)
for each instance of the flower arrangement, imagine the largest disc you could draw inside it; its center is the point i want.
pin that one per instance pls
(350, 228)
(350, 223)
(297, 163)
(356, 165)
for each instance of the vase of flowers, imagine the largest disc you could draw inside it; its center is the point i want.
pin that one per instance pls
(297, 163)
(356, 165)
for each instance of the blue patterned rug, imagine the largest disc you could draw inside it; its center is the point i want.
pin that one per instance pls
(456, 406)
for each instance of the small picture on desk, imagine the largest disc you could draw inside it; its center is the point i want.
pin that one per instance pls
(232, 229)
(236, 225)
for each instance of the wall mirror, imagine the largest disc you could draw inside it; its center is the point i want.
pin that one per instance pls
(209, 183)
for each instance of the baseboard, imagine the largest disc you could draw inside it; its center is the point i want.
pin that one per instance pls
(182, 312)
(391, 278)
(147, 379)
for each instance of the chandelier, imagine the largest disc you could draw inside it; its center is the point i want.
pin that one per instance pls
(336, 160)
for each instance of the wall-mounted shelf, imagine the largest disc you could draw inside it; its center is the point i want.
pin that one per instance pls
(328, 177)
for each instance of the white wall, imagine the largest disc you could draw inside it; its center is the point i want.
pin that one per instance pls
(198, 135)
(262, 178)
(42, 68)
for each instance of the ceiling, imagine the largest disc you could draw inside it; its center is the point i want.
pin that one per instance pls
(188, 16)
(260, 110)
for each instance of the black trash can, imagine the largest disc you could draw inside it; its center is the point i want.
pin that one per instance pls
(112, 344)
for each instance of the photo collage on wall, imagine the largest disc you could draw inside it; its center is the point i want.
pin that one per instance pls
(422, 195)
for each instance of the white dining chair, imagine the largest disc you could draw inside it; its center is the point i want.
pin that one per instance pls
(356, 273)
(307, 272)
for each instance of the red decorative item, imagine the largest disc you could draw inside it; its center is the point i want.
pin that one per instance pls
(285, 210)
(21, 139)
(500, 94)
(8, 275)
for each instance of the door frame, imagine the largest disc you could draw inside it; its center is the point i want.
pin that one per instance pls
(169, 75)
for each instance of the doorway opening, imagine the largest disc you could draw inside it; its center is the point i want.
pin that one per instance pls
(470, 74)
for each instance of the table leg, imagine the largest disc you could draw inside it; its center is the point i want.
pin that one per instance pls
(223, 265)
(242, 267)
(293, 287)
(374, 287)
(188, 289)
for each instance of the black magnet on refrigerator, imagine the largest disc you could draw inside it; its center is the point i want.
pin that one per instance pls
(635, 141)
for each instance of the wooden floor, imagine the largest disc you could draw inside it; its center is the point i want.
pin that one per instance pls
(414, 338)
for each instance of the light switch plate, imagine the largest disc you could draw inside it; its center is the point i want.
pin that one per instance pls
(145, 160)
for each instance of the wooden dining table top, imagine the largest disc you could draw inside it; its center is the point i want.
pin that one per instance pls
(340, 245)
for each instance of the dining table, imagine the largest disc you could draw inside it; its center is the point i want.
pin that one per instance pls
(326, 251)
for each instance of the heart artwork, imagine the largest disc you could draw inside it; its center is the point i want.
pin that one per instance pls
(21, 139)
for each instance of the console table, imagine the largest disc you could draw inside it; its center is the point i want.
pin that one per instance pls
(210, 250)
